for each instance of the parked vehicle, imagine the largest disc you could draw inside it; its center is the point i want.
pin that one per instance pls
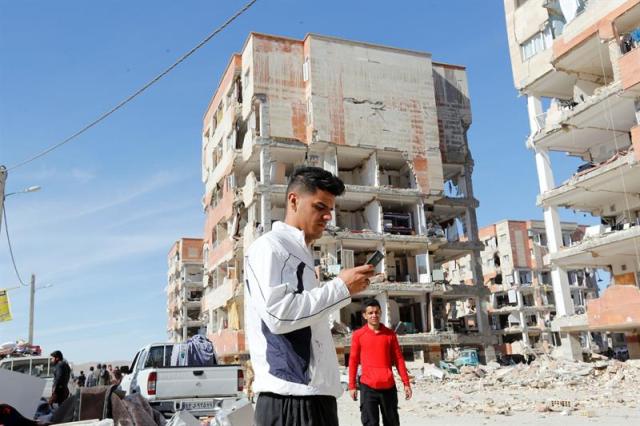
(38, 366)
(467, 357)
(168, 387)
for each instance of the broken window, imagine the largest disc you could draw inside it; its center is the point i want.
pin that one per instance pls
(401, 266)
(241, 131)
(405, 315)
(525, 277)
(397, 223)
(398, 178)
(238, 87)
(256, 117)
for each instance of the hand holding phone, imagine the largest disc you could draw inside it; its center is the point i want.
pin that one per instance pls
(375, 258)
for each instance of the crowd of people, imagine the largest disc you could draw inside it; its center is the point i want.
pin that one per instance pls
(100, 375)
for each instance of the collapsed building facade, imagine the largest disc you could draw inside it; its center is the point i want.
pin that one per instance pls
(516, 270)
(578, 64)
(392, 124)
(184, 289)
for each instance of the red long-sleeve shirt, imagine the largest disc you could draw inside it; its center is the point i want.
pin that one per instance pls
(376, 352)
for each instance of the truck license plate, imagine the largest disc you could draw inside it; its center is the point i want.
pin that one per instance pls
(198, 405)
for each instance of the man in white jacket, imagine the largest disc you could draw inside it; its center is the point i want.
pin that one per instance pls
(294, 359)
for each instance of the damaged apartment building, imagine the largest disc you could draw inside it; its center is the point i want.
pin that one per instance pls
(578, 64)
(392, 125)
(516, 270)
(184, 289)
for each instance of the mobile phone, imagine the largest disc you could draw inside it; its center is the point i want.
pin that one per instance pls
(375, 258)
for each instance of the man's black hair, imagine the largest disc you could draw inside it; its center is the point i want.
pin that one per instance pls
(370, 302)
(56, 354)
(311, 179)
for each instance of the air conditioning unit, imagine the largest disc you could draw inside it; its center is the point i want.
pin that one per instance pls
(438, 274)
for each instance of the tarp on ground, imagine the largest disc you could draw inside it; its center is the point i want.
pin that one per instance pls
(21, 391)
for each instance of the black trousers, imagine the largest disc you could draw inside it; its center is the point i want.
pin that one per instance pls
(286, 410)
(375, 401)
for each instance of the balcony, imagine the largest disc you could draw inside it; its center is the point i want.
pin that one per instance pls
(600, 250)
(222, 252)
(579, 129)
(598, 188)
(219, 296)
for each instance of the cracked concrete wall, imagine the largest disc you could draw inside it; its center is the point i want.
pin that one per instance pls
(274, 65)
(453, 111)
(379, 97)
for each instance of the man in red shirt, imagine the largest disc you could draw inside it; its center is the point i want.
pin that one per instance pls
(376, 348)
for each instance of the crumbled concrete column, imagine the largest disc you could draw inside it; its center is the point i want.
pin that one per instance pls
(431, 319)
(570, 348)
(423, 310)
(546, 181)
(489, 353)
(433, 354)
(615, 54)
(633, 344)
(265, 198)
(523, 318)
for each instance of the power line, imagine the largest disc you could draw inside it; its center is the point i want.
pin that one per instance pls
(137, 92)
(13, 260)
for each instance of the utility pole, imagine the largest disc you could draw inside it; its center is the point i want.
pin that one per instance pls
(32, 297)
(3, 180)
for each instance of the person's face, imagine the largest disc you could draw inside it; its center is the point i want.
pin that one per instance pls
(372, 315)
(54, 360)
(312, 211)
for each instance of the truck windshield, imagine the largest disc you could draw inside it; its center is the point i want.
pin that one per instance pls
(40, 368)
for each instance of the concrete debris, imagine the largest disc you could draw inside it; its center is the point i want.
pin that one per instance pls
(546, 386)
(431, 370)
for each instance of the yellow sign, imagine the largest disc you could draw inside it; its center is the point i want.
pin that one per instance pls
(5, 309)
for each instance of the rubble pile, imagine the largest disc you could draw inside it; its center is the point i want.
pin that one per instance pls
(545, 385)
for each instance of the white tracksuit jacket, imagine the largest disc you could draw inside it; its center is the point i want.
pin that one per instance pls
(286, 316)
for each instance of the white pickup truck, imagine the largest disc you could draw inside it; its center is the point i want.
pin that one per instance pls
(203, 391)
(38, 366)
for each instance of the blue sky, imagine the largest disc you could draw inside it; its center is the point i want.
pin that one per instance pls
(114, 200)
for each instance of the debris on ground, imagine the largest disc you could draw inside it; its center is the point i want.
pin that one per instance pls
(545, 386)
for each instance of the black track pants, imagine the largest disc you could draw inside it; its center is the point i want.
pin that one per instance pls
(376, 401)
(285, 410)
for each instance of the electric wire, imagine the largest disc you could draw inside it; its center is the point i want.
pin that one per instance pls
(137, 92)
(13, 259)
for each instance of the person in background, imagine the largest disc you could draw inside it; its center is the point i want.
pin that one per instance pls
(116, 377)
(376, 348)
(61, 376)
(81, 380)
(91, 379)
(104, 378)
